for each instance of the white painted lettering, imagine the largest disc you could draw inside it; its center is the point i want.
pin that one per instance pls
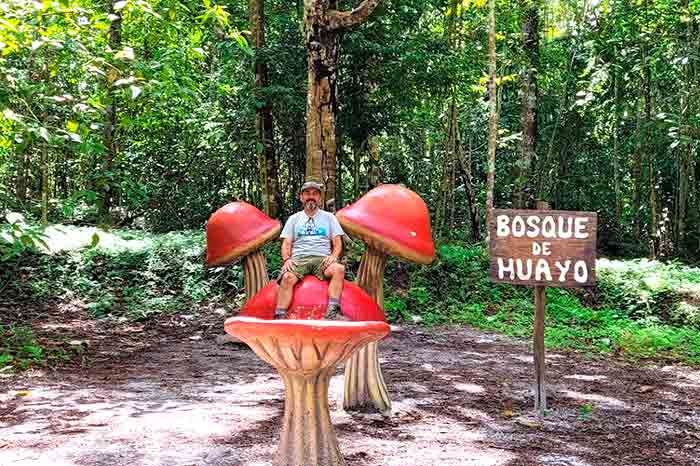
(518, 226)
(565, 231)
(524, 275)
(563, 269)
(536, 248)
(502, 225)
(502, 268)
(533, 222)
(549, 228)
(580, 272)
(545, 249)
(542, 269)
(580, 228)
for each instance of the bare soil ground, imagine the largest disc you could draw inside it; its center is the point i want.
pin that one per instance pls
(164, 393)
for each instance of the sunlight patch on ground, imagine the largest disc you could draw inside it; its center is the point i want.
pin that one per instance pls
(469, 388)
(161, 426)
(603, 400)
(561, 460)
(60, 238)
(587, 378)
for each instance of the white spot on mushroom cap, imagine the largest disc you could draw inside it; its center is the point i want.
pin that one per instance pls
(413, 233)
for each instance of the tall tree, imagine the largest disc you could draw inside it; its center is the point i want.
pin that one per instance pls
(323, 25)
(493, 115)
(685, 151)
(528, 112)
(105, 183)
(264, 130)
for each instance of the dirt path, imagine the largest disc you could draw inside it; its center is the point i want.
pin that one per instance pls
(182, 399)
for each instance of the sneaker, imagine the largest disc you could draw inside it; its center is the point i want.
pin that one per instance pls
(280, 315)
(333, 313)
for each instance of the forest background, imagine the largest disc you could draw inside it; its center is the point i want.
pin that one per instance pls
(135, 110)
(148, 115)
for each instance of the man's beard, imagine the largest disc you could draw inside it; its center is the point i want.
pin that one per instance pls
(311, 205)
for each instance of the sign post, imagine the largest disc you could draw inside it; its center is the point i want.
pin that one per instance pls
(542, 248)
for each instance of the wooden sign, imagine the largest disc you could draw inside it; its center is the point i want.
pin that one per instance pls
(543, 247)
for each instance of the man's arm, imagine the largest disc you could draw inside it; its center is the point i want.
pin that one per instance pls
(337, 246)
(287, 261)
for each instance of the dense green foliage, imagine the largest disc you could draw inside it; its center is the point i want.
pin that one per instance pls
(617, 110)
(640, 309)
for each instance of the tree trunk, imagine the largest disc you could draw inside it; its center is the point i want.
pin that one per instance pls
(264, 129)
(685, 150)
(649, 151)
(493, 116)
(106, 184)
(21, 179)
(617, 223)
(528, 115)
(472, 206)
(323, 25)
(637, 178)
(374, 171)
(45, 180)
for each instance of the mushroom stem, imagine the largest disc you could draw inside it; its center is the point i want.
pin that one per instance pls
(307, 436)
(255, 270)
(365, 388)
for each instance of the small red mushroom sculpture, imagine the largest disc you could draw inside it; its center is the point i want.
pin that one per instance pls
(391, 220)
(237, 230)
(306, 354)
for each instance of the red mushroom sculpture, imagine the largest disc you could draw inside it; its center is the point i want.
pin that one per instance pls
(237, 230)
(306, 353)
(391, 220)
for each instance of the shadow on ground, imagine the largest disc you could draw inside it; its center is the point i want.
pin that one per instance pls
(460, 397)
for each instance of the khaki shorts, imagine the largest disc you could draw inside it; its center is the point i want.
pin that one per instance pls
(307, 265)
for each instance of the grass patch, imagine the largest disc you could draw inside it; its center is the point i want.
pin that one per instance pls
(640, 309)
(134, 275)
(20, 350)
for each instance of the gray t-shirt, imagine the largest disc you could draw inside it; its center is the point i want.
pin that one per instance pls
(311, 236)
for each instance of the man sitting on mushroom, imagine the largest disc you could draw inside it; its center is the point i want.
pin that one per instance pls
(312, 241)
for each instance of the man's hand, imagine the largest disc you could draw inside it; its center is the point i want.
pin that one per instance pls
(287, 266)
(328, 260)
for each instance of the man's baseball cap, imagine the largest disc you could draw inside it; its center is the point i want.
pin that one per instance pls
(311, 185)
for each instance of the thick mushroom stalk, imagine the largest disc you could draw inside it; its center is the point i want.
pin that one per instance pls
(255, 273)
(365, 388)
(390, 219)
(306, 353)
(237, 230)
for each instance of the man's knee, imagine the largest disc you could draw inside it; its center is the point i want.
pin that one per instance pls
(338, 270)
(288, 280)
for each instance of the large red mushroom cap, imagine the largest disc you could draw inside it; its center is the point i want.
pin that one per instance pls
(236, 230)
(392, 219)
(310, 300)
(304, 346)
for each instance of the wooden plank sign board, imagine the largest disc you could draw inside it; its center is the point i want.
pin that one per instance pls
(543, 247)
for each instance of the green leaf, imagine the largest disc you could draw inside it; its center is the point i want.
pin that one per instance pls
(135, 91)
(44, 133)
(95, 240)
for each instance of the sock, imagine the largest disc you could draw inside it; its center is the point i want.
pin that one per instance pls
(333, 302)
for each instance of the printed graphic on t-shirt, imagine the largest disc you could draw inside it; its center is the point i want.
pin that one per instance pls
(309, 228)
